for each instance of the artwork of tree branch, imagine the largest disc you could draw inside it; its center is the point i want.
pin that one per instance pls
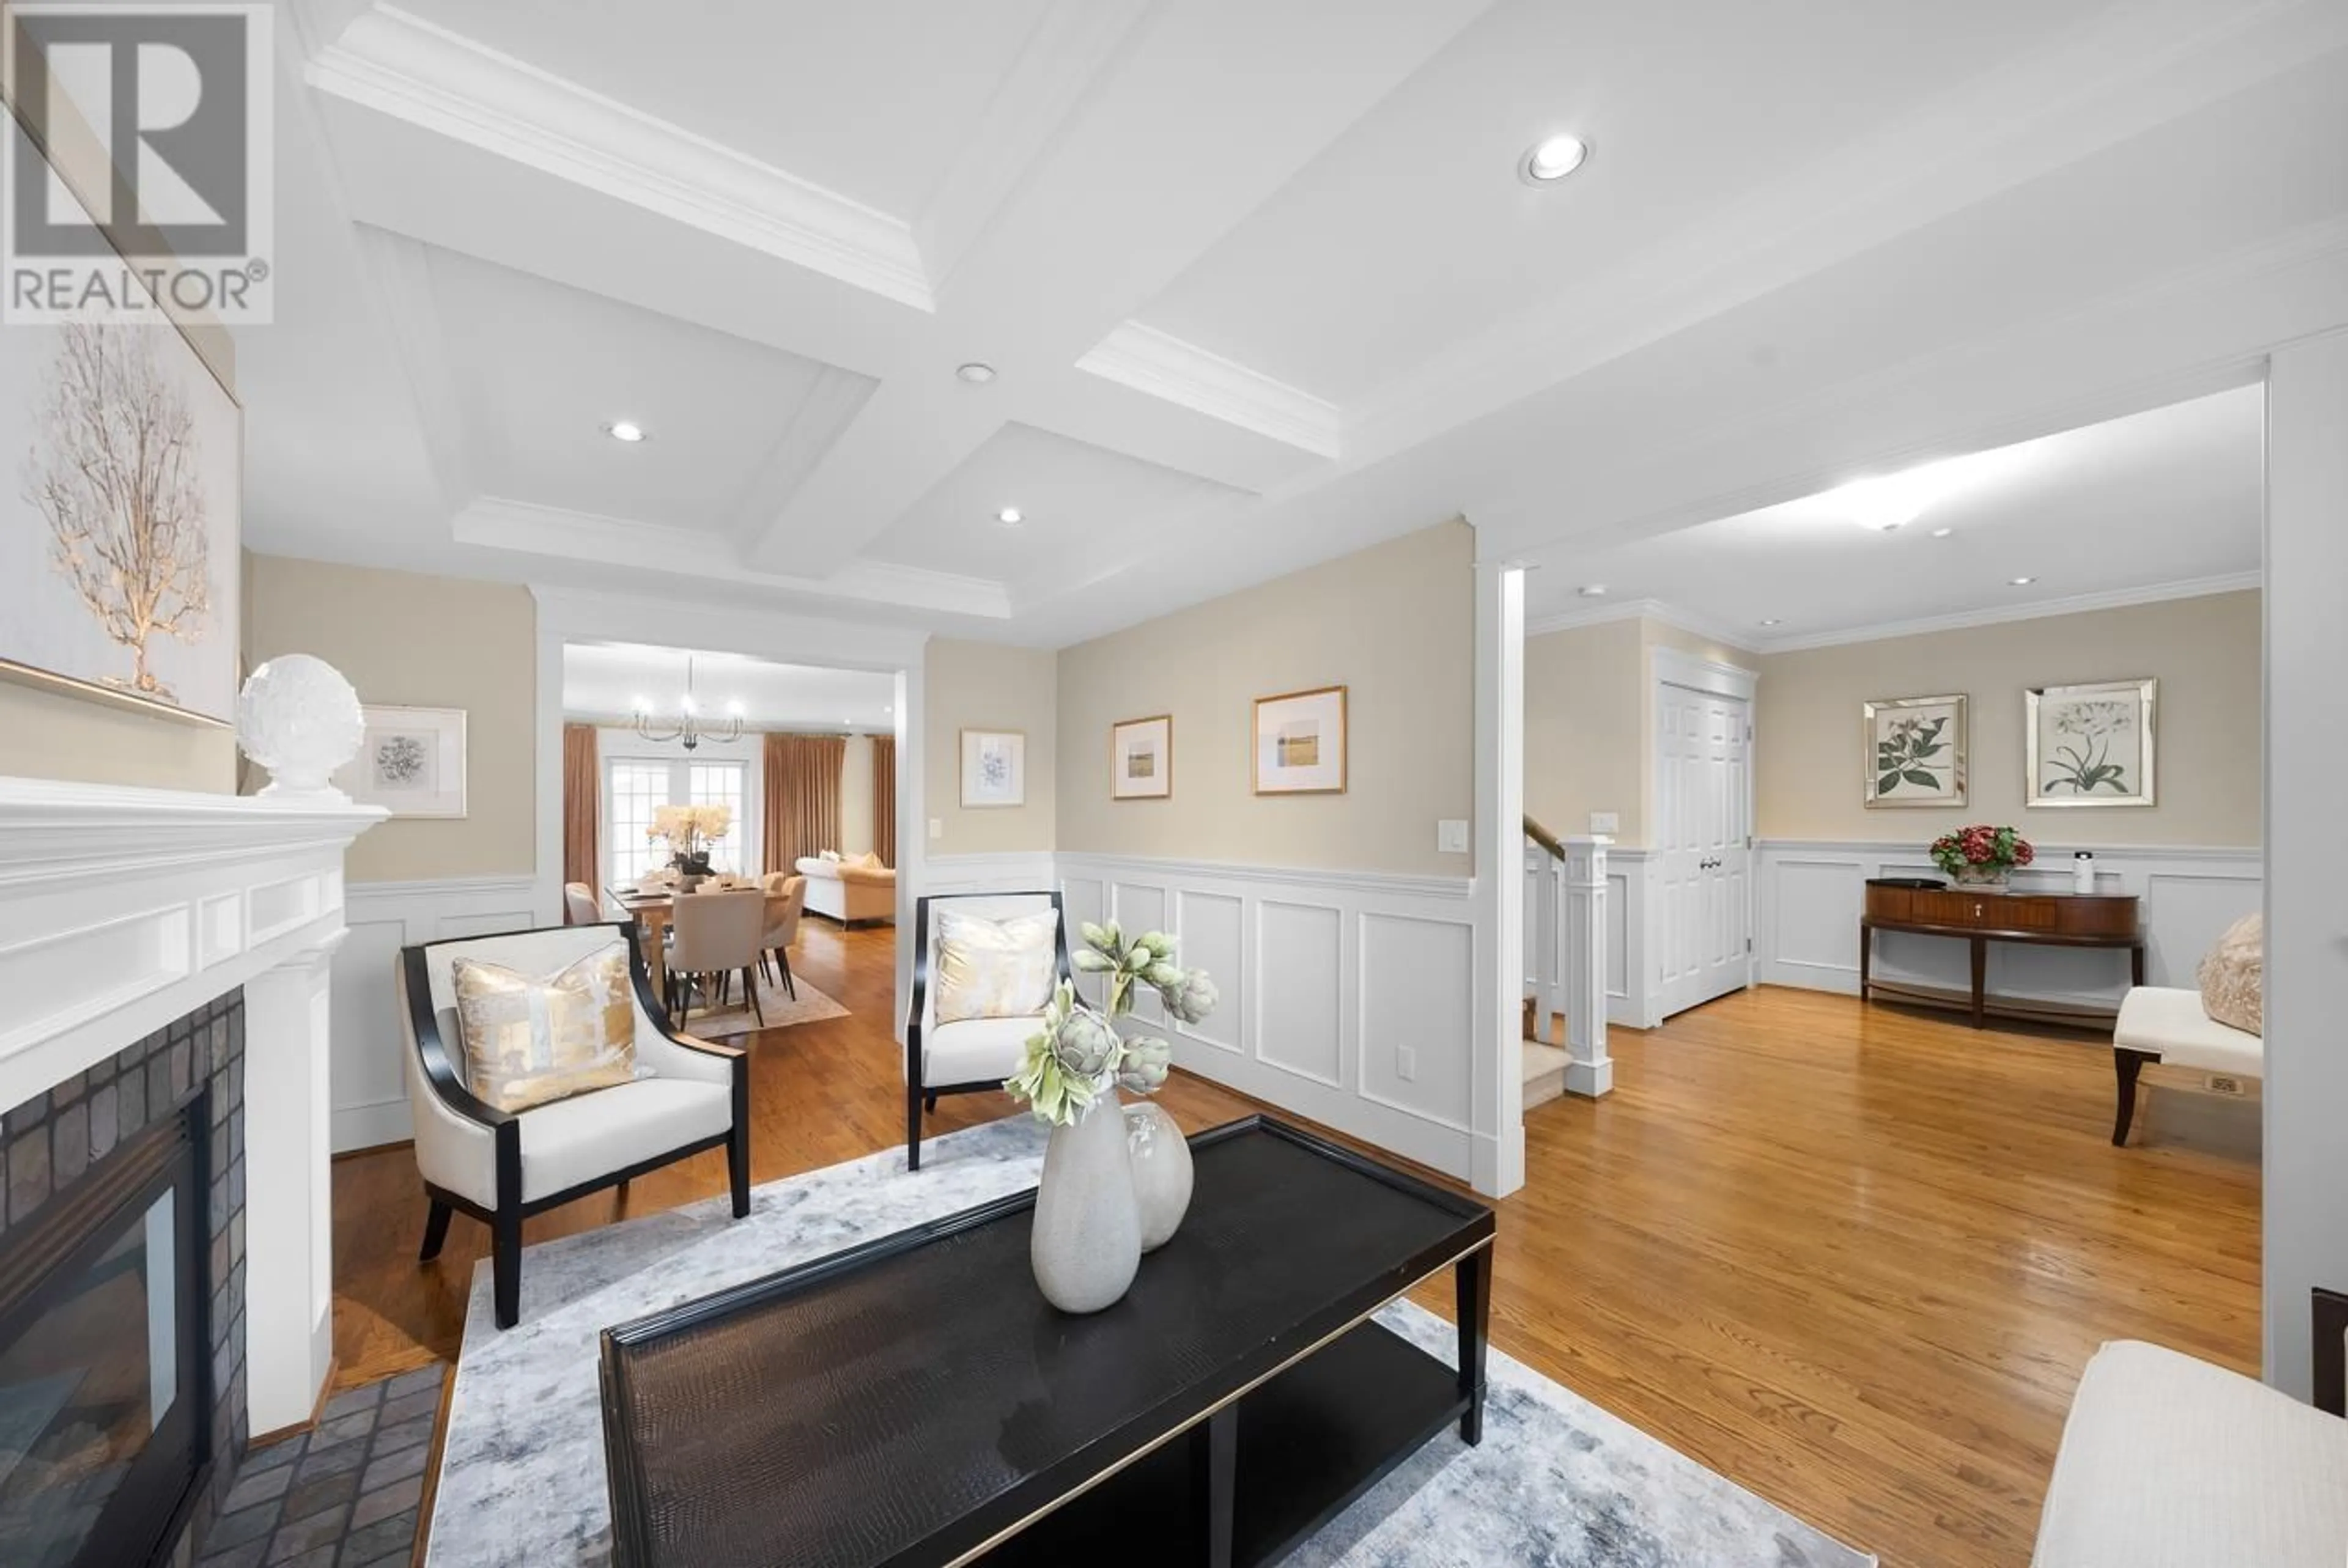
(114, 471)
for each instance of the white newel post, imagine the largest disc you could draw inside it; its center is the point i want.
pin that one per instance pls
(288, 1193)
(1588, 1070)
(1545, 901)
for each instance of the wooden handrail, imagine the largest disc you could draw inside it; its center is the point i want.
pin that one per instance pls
(1544, 837)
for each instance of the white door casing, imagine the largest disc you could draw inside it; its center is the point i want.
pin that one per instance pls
(1703, 815)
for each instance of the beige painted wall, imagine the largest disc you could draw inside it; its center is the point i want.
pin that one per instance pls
(431, 642)
(2204, 650)
(52, 735)
(987, 686)
(1395, 624)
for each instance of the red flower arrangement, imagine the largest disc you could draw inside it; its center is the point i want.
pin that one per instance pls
(1981, 848)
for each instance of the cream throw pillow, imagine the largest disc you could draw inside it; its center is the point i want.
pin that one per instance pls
(2232, 974)
(527, 1042)
(994, 968)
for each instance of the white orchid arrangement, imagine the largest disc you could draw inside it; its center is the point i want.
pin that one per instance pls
(1079, 1055)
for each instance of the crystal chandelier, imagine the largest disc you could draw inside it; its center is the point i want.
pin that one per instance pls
(689, 726)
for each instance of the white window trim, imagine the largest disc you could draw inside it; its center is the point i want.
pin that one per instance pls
(614, 744)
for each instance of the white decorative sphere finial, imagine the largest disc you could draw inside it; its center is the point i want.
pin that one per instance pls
(300, 718)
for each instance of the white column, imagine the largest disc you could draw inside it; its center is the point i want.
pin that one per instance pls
(288, 1195)
(2306, 726)
(1588, 1070)
(1545, 911)
(1496, 1079)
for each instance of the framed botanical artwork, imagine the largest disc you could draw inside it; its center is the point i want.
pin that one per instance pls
(119, 512)
(410, 762)
(2092, 744)
(1300, 743)
(993, 768)
(1915, 750)
(1141, 758)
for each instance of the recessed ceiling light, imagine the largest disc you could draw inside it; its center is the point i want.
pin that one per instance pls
(1009, 517)
(888, 710)
(1551, 159)
(1771, 621)
(1591, 591)
(975, 373)
(2021, 581)
(625, 430)
(1942, 533)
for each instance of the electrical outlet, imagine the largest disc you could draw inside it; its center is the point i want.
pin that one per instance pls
(937, 828)
(1405, 1064)
(1605, 821)
(1451, 836)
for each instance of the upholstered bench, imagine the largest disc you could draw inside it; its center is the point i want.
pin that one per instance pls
(2170, 1462)
(2167, 1030)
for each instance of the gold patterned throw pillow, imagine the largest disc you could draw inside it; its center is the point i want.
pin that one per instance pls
(994, 968)
(527, 1042)
(2233, 974)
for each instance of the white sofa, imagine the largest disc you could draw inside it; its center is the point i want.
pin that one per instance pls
(2170, 1462)
(849, 891)
(2166, 1027)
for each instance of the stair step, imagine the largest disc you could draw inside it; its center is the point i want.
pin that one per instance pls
(1544, 1068)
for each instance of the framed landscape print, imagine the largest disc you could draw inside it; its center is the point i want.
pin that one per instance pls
(993, 768)
(410, 762)
(119, 499)
(1915, 750)
(2092, 744)
(1141, 759)
(1300, 743)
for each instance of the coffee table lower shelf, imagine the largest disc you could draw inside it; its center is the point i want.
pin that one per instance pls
(1310, 1441)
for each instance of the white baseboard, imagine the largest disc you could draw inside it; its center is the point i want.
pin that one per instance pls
(368, 1095)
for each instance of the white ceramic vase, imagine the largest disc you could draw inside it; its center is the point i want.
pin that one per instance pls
(1161, 1173)
(1087, 1242)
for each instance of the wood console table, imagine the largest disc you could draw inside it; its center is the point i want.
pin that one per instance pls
(1981, 917)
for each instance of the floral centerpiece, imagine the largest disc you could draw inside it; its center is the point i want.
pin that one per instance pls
(1116, 1181)
(689, 831)
(1982, 854)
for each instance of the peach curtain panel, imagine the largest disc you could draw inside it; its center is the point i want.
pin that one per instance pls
(802, 796)
(884, 798)
(581, 802)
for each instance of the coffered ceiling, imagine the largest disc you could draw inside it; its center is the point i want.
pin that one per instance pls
(1258, 279)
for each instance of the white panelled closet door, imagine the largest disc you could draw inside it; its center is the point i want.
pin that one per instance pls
(1703, 797)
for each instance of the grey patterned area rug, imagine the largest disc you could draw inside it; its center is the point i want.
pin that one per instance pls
(1556, 1483)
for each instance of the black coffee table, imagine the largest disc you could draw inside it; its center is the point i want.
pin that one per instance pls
(915, 1400)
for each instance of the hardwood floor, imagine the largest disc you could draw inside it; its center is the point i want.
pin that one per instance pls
(1852, 1258)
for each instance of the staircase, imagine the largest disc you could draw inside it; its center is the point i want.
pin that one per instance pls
(1565, 938)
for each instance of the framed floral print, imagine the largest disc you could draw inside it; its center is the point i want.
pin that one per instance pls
(1141, 758)
(411, 761)
(993, 768)
(2091, 744)
(1915, 750)
(1300, 743)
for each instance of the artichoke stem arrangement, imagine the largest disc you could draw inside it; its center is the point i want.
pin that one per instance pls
(1079, 1055)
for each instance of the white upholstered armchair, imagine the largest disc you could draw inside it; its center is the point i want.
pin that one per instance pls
(972, 1054)
(501, 1167)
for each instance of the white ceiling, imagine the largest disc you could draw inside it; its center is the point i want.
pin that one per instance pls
(2158, 503)
(1257, 276)
(603, 681)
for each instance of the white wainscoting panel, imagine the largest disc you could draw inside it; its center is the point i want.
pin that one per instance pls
(1325, 978)
(367, 1094)
(1811, 894)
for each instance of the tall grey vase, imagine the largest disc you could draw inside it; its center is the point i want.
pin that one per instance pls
(1087, 1242)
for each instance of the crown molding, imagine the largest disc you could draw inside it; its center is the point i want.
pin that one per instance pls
(1999, 615)
(1671, 615)
(495, 522)
(413, 70)
(1152, 362)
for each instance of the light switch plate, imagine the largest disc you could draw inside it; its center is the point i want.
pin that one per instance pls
(1405, 1064)
(1451, 836)
(937, 828)
(1605, 821)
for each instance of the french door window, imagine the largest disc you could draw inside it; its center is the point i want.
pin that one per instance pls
(635, 787)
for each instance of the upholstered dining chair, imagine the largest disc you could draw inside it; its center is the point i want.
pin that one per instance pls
(580, 907)
(966, 1056)
(717, 935)
(786, 902)
(503, 1166)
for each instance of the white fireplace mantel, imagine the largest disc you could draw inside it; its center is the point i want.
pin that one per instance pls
(122, 910)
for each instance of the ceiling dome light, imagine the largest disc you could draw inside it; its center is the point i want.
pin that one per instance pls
(1009, 517)
(1942, 533)
(1552, 159)
(976, 373)
(1773, 620)
(2021, 581)
(625, 430)
(1591, 591)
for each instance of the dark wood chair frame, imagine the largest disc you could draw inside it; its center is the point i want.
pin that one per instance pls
(917, 1094)
(505, 1220)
